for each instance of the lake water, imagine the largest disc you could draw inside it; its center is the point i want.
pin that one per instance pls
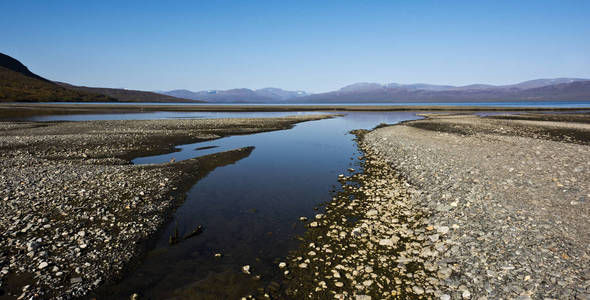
(557, 104)
(250, 210)
(165, 115)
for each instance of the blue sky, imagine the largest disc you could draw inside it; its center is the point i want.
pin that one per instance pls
(300, 45)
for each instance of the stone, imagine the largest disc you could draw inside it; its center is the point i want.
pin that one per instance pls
(42, 265)
(417, 290)
(443, 229)
(76, 280)
(246, 269)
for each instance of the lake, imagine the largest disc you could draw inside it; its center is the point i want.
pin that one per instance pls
(556, 104)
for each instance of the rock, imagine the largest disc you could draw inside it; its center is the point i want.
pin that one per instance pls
(76, 280)
(443, 229)
(313, 224)
(444, 273)
(445, 297)
(372, 212)
(417, 290)
(302, 219)
(282, 265)
(388, 242)
(42, 265)
(466, 294)
(362, 297)
(246, 269)
(33, 245)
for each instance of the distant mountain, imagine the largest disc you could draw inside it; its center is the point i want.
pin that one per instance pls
(125, 95)
(279, 94)
(18, 83)
(265, 95)
(573, 89)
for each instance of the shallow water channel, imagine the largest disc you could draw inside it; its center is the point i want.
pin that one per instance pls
(249, 210)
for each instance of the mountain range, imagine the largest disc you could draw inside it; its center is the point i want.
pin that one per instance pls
(570, 89)
(265, 95)
(18, 83)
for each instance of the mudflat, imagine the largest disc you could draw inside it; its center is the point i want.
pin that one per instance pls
(76, 213)
(506, 201)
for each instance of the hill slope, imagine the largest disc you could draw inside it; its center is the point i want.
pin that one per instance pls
(15, 86)
(19, 84)
(124, 95)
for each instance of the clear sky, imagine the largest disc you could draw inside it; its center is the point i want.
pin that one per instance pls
(299, 45)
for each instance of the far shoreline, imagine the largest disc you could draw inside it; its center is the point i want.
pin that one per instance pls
(13, 110)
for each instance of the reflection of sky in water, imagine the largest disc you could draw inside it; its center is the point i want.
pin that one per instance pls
(250, 209)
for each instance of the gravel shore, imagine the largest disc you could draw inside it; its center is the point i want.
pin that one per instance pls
(512, 194)
(76, 214)
(456, 207)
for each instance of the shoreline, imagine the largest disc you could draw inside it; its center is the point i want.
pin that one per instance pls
(456, 207)
(513, 193)
(24, 110)
(77, 214)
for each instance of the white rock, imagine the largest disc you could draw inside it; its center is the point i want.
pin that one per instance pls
(443, 229)
(418, 290)
(246, 269)
(42, 265)
(372, 212)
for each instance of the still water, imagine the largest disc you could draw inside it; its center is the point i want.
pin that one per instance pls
(524, 103)
(249, 210)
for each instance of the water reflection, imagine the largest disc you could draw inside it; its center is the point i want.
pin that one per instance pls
(250, 210)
